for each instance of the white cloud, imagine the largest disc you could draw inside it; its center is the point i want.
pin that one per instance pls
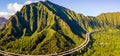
(28, 2)
(14, 7)
(5, 14)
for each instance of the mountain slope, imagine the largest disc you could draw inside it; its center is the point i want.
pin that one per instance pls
(47, 28)
(38, 29)
(109, 20)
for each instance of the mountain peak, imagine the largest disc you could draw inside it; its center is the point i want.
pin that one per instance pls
(45, 28)
(2, 19)
(45, 0)
(43, 22)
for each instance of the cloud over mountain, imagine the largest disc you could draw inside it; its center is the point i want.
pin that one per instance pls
(14, 7)
(5, 14)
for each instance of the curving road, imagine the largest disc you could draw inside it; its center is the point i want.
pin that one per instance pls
(84, 44)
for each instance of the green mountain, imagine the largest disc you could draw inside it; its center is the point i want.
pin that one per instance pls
(109, 20)
(42, 28)
(45, 28)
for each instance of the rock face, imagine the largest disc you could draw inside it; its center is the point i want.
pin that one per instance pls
(42, 28)
(45, 28)
(109, 20)
(2, 22)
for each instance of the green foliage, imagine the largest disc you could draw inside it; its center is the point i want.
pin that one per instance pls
(105, 44)
(109, 20)
(45, 28)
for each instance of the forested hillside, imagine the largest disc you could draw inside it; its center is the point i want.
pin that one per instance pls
(46, 28)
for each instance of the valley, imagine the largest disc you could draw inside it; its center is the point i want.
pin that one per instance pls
(44, 27)
(105, 43)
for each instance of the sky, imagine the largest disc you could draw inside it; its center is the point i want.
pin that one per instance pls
(86, 7)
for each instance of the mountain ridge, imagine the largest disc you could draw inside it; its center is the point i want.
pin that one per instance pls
(46, 28)
(37, 25)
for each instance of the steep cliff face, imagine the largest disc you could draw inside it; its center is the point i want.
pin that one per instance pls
(45, 28)
(109, 20)
(42, 28)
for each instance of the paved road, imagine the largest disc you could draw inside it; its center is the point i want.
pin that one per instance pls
(85, 43)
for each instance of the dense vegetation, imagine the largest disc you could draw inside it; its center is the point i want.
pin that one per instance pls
(109, 20)
(105, 43)
(45, 28)
(41, 28)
